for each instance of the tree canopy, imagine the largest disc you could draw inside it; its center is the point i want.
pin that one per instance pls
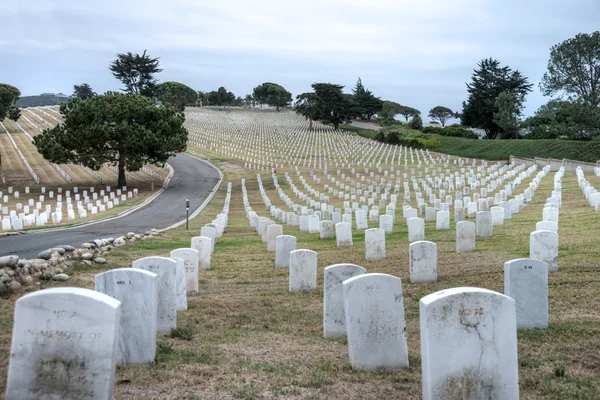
(126, 130)
(367, 104)
(221, 97)
(272, 94)
(408, 112)
(488, 81)
(333, 106)
(307, 105)
(574, 120)
(8, 97)
(83, 91)
(507, 115)
(136, 72)
(441, 114)
(390, 109)
(177, 94)
(574, 68)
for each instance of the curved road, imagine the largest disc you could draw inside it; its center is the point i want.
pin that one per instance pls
(193, 179)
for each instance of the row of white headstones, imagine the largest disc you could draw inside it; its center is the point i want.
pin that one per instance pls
(67, 341)
(34, 214)
(472, 317)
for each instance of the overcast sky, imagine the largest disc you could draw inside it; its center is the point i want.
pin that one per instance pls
(415, 52)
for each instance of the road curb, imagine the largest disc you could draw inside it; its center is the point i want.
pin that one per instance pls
(206, 201)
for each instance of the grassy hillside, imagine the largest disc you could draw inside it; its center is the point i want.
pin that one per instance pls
(502, 149)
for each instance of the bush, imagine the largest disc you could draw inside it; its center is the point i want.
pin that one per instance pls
(452, 130)
(416, 123)
(387, 122)
(404, 137)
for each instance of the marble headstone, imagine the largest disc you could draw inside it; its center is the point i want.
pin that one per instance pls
(64, 345)
(334, 325)
(137, 290)
(166, 269)
(375, 326)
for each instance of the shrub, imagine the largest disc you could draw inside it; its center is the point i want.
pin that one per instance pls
(387, 122)
(416, 123)
(452, 130)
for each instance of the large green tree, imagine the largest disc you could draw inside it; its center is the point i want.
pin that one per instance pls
(333, 105)
(8, 97)
(507, 115)
(307, 105)
(136, 72)
(441, 114)
(126, 130)
(408, 112)
(202, 99)
(367, 104)
(390, 109)
(177, 94)
(221, 97)
(574, 120)
(83, 91)
(272, 94)
(487, 82)
(574, 68)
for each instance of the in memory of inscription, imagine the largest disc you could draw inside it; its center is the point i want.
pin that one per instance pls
(64, 345)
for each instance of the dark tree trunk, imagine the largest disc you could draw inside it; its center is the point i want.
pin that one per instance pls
(122, 181)
(310, 126)
(277, 108)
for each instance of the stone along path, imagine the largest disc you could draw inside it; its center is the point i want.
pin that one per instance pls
(193, 179)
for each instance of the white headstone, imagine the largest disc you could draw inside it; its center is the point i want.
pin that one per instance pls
(209, 232)
(326, 229)
(469, 345)
(190, 260)
(166, 269)
(334, 325)
(303, 270)
(343, 234)
(374, 244)
(137, 290)
(375, 326)
(543, 245)
(284, 244)
(497, 216)
(423, 262)
(442, 221)
(386, 222)
(203, 246)
(181, 286)
(544, 226)
(465, 236)
(64, 345)
(416, 229)
(484, 224)
(273, 231)
(526, 281)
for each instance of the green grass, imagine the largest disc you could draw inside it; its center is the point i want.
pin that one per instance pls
(245, 336)
(503, 149)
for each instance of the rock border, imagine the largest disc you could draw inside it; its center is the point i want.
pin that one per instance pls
(50, 264)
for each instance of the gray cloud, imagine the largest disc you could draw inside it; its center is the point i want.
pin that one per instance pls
(416, 53)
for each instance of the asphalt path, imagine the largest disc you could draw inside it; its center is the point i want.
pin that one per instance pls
(193, 179)
(365, 125)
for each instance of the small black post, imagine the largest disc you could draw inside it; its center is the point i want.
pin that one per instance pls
(187, 213)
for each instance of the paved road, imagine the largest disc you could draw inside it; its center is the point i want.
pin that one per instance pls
(193, 179)
(365, 125)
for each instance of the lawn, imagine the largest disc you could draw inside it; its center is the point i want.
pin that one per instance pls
(246, 337)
